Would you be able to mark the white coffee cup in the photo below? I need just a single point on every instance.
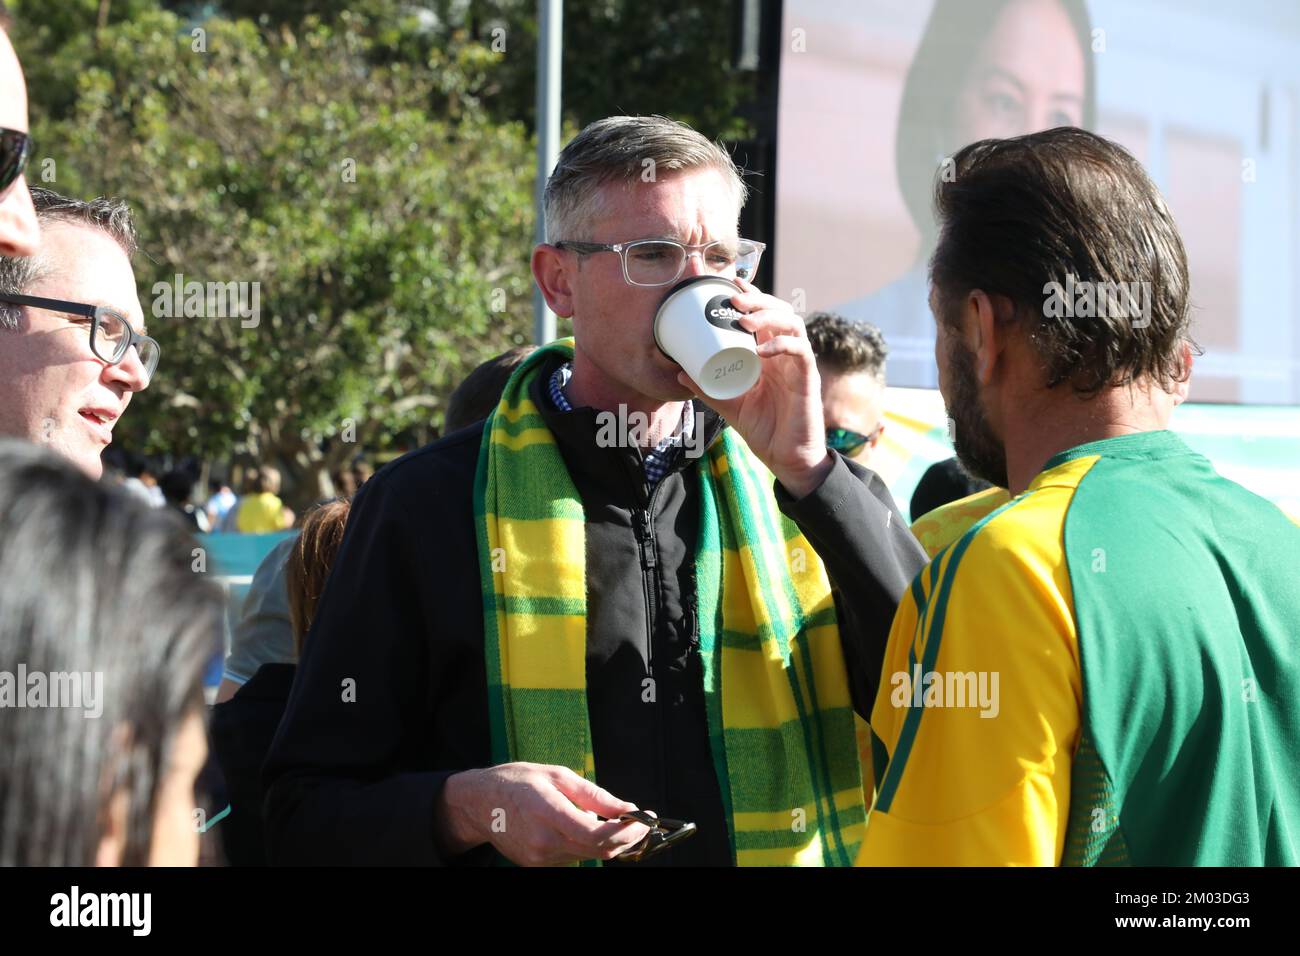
(696, 328)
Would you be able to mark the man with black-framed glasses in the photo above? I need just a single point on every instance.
(73, 344)
(18, 230)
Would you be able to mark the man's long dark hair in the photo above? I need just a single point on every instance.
(91, 582)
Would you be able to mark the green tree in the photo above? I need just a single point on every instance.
(372, 172)
(386, 216)
(671, 57)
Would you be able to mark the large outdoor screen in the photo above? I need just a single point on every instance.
(874, 94)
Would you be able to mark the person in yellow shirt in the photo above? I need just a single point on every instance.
(1094, 672)
(261, 511)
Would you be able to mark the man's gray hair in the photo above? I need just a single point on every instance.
(626, 150)
(18, 274)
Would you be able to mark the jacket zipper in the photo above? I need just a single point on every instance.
(645, 535)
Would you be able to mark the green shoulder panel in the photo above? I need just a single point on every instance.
(1186, 595)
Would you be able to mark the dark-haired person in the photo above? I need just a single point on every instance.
(947, 501)
(97, 599)
(140, 482)
(349, 479)
(176, 488)
(1104, 669)
(72, 346)
(476, 397)
(19, 232)
(983, 69)
(244, 725)
(944, 482)
(851, 363)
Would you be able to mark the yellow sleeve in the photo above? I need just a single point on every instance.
(980, 775)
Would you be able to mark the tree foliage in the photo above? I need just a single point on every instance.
(390, 239)
(671, 57)
(370, 166)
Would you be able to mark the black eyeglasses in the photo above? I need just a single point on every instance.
(111, 335)
(15, 150)
(848, 443)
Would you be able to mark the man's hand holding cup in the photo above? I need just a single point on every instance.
(780, 416)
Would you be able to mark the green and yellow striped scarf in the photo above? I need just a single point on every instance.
(780, 719)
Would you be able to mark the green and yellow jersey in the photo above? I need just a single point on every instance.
(1103, 670)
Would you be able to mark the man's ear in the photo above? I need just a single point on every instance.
(983, 335)
(552, 272)
(1184, 385)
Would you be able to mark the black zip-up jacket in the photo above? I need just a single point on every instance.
(241, 730)
(391, 693)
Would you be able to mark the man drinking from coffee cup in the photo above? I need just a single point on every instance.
(561, 628)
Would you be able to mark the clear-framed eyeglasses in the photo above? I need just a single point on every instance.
(657, 262)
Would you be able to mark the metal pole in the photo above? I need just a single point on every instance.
(549, 31)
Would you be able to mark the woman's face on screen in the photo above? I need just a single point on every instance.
(1028, 75)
